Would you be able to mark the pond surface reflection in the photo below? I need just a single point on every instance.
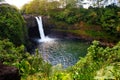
(65, 52)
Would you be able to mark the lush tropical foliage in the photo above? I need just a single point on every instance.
(100, 63)
(107, 17)
(70, 17)
(12, 25)
(26, 63)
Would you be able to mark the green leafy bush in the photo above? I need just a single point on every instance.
(26, 63)
(12, 25)
(99, 63)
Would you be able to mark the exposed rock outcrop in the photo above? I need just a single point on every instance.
(30, 20)
(9, 73)
(32, 25)
(32, 29)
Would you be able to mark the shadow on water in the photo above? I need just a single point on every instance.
(65, 52)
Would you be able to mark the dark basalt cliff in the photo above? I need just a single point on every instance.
(50, 30)
(32, 25)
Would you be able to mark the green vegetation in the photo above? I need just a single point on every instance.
(39, 7)
(12, 25)
(27, 64)
(98, 20)
(70, 18)
(100, 63)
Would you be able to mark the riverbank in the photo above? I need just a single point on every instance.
(82, 31)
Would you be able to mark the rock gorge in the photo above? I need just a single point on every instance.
(51, 31)
(32, 26)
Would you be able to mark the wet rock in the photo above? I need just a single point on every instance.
(32, 25)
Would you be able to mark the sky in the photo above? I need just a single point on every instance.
(18, 3)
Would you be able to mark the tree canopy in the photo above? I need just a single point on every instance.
(11, 24)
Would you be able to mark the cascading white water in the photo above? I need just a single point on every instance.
(41, 31)
(40, 27)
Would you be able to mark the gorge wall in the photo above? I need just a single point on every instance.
(32, 26)
(54, 30)
(49, 28)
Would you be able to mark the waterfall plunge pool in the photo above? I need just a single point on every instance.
(65, 52)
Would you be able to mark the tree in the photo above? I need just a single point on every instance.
(71, 3)
(32, 7)
(62, 3)
(36, 7)
(2, 0)
(12, 25)
(39, 7)
(53, 5)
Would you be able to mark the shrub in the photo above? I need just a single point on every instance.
(99, 63)
(26, 63)
(11, 24)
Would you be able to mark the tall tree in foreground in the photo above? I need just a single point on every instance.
(11, 25)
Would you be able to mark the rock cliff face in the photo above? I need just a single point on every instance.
(32, 25)
(32, 29)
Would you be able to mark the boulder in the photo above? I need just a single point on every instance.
(9, 72)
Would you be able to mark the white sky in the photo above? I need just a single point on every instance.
(18, 3)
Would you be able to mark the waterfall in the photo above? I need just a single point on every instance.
(40, 27)
(41, 31)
